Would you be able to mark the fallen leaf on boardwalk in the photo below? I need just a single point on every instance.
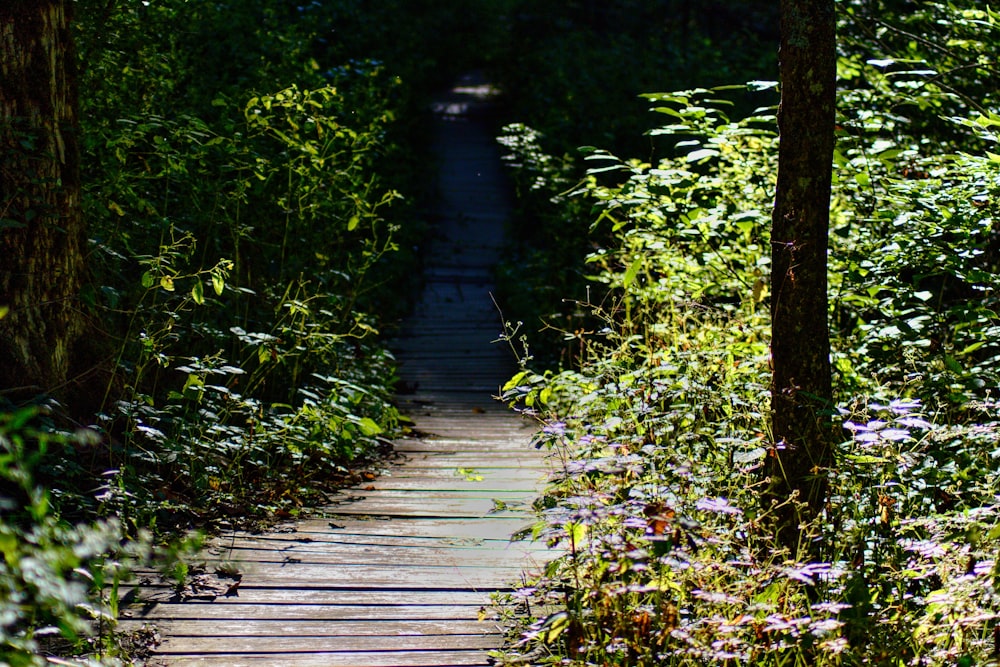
(208, 587)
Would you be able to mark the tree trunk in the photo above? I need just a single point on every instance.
(801, 393)
(41, 227)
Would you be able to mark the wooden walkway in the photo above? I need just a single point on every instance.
(400, 570)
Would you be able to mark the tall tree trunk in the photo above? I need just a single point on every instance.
(801, 392)
(41, 226)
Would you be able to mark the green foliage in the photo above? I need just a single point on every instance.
(908, 69)
(574, 70)
(244, 170)
(917, 280)
(58, 581)
(573, 77)
(914, 245)
(253, 178)
(289, 192)
(662, 430)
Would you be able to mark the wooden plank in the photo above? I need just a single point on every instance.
(284, 627)
(446, 576)
(209, 614)
(442, 658)
(509, 448)
(435, 463)
(348, 555)
(433, 504)
(256, 561)
(472, 508)
(460, 480)
(318, 643)
(342, 535)
(497, 526)
(349, 601)
(474, 491)
(348, 544)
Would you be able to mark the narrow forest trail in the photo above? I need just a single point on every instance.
(399, 569)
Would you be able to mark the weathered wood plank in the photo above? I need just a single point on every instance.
(208, 616)
(456, 481)
(429, 507)
(165, 613)
(492, 527)
(354, 644)
(343, 535)
(419, 464)
(470, 556)
(347, 600)
(473, 491)
(287, 629)
(449, 658)
(446, 576)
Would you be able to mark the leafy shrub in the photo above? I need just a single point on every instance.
(573, 77)
(58, 580)
(243, 178)
(662, 430)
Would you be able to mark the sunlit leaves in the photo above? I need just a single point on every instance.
(198, 292)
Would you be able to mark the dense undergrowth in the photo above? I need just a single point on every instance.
(254, 182)
(573, 78)
(660, 424)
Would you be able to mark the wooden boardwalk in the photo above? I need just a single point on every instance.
(400, 570)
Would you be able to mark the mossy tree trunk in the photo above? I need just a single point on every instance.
(801, 393)
(41, 227)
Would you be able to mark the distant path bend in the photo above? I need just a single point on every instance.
(401, 571)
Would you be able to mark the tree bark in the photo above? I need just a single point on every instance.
(801, 393)
(41, 226)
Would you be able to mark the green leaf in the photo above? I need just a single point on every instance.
(865, 459)
(633, 271)
(554, 626)
(198, 292)
(218, 283)
(193, 382)
(881, 63)
(953, 364)
(972, 348)
(369, 427)
(263, 354)
(702, 154)
(148, 279)
(514, 381)
(352, 224)
(3, 311)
